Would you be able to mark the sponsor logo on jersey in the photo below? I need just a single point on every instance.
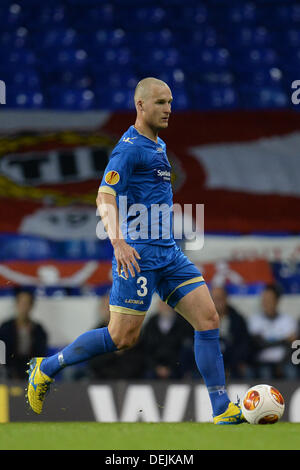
(165, 175)
(112, 177)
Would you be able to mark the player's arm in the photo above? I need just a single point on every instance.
(126, 256)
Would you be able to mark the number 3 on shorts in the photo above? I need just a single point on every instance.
(142, 282)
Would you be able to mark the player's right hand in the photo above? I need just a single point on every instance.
(126, 257)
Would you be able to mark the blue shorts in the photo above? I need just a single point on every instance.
(165, 270)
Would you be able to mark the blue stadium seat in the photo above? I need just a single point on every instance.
(33, 4)
(56, 38)
(175, 78)
(129, 4)
(165, 57)
(207, 59)
(215, 97)
(72, 99)
(47, 16)
(193, 16)
(157, 60)
(93, 18)
(245, 13)
(14, 39)
(65, 59)
(122, 76)
(270, 97)
(19, 57)
(222, 78)
(249, 37)
(11, 16)
(23, 78)
(162, 38)
(206, 36)
(95, 51)
(181, 100)
(143, 17)
(178, 3)
(18, 98)
(291, 66)
(291, 38)
(254, 58)
(112, 58)
(86, 3)
(115, 99)
(73, 78)
(109, 38)
(53, 65)
(287, 13)
(124, 79)
(262, 77)
(72, 57)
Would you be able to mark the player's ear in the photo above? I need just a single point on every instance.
(140, 105)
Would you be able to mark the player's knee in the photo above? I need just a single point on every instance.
(211, 320)
(214, 319)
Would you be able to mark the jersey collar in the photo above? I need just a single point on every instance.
(142, 135)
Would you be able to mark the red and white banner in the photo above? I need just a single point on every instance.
(55, 273)
(93, 273)
(242, 165)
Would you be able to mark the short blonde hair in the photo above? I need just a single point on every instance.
(143, 87)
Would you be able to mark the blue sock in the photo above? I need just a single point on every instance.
(89, 344)
(209, 361)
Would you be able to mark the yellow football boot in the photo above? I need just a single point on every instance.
(233, 415)
(38, 385)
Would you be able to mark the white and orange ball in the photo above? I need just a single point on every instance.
(262, 404)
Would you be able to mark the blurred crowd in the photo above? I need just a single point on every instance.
(256, 346)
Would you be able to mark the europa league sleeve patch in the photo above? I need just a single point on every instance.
(112, 177)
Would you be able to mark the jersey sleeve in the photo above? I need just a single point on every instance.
(119, 169)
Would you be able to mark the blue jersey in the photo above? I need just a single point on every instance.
(139, 175)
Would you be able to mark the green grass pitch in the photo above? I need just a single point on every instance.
(148, 436)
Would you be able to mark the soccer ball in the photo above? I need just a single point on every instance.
(262, 404)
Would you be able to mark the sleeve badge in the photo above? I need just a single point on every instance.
(112, 177)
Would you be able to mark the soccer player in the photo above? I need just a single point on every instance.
(135, 184)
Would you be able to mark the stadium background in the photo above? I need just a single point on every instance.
(70, 68)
